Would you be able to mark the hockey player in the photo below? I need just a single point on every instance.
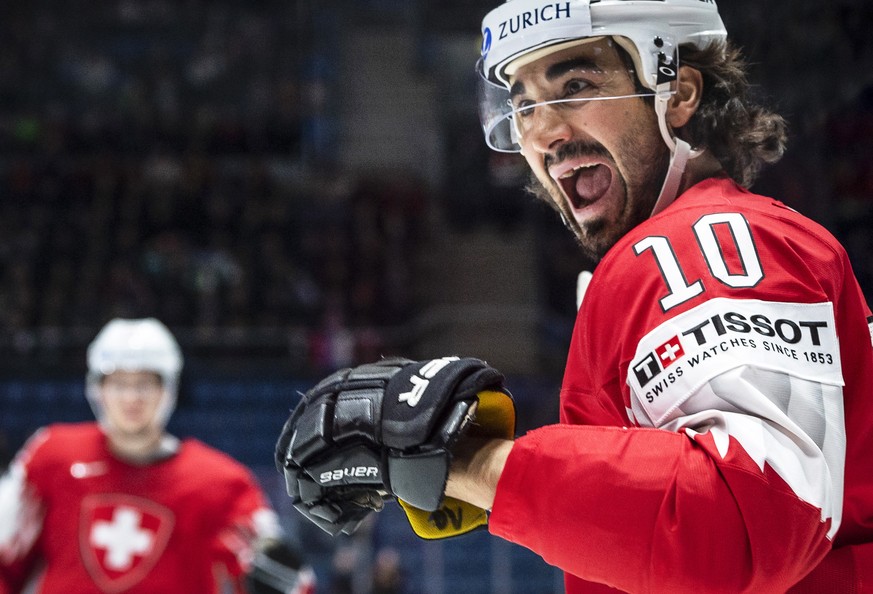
(122, 506)
(716, 420)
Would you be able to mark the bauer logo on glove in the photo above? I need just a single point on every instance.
(342, 473)
(385, 430)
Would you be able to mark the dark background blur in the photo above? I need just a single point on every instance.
(297, 186)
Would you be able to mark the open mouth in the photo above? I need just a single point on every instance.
(585, 184)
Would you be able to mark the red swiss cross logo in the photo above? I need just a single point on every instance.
(669, 352)
(121, 538)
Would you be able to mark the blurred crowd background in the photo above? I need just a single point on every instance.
(296, 186)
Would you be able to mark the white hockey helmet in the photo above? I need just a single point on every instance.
(528, 29)
(135, 345)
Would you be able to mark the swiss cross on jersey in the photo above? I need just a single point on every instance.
(669, 352)
(121, 538)
(659, 359)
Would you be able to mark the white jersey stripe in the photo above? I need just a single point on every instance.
(804, 444)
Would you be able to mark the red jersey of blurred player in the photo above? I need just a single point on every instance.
(119, 505)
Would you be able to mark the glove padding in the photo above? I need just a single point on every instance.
(384, 430)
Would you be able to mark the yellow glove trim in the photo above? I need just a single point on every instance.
(495, 415)
(453, 518)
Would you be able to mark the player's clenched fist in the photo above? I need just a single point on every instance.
(386, 430)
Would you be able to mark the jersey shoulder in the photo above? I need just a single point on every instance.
(61, 442)
(53, 450)
(210, 462)
(718, 228)
(717, 241)
(707, 204)
(221, 481)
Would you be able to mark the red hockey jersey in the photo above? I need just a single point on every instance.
(96, 524)
(716, 420)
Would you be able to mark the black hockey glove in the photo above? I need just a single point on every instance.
(384, 430)
(278, 568)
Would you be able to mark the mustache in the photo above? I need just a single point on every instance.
(578, 148)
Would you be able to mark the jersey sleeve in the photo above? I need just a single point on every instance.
(703, 441)
(21, 516)
(652, 510)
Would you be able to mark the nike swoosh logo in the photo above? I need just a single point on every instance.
(85, 469)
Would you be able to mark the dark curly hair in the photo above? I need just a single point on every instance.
(741, 135)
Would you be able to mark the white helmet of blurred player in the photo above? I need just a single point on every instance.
(135, 345)
(519, 32)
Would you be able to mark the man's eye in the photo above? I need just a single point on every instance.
(524, 108)
(576, 86)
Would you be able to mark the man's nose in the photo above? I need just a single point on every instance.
(547, 128)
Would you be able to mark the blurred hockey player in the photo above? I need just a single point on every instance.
(120, 505)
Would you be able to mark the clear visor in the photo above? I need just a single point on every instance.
(506, 116)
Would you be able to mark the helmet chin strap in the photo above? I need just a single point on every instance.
(680, 153)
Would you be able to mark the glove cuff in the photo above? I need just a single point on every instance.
(420, 477)
(453, 518)
(494, 418)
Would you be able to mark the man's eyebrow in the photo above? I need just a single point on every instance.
(558, 70)
(561, 68)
